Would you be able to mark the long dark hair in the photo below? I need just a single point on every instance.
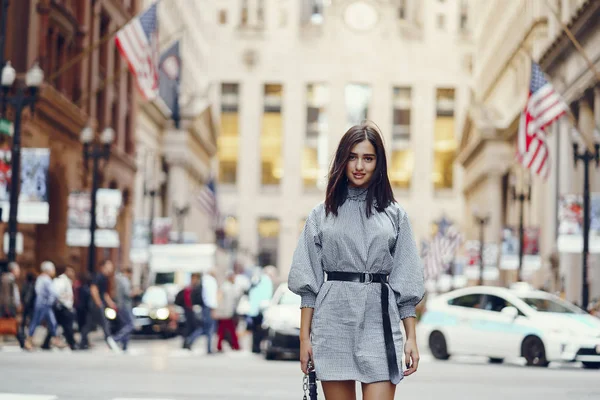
(379, 190)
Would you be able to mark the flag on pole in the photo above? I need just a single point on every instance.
(207, 201)
(544, 106)
(138, 44)
(439, 253)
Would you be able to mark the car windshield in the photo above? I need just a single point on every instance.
(289, 298)
(155, 297)
(544, 304)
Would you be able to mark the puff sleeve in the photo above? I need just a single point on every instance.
(306, 273)
(406, 278)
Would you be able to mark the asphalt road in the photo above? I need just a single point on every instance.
(157, 369)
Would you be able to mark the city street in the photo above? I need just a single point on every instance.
(159, 370)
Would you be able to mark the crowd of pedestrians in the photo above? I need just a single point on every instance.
(70, 306)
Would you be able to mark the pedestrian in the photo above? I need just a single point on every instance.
(63, 307)
(259, 295)
(45, 297)
(81, 290)
(187, 298)
(100, 300)
(124, 298)
(27, 303)
(225, 313)
(207, 292)
(10, 302)
(361, 240)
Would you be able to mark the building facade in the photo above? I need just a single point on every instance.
(93, 91)
(508, 36)
(174, 163)
(293, 76)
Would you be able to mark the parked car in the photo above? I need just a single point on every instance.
(156, 314)
(504, 323)
(281, 321)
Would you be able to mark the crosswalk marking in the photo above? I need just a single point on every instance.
(15, 396)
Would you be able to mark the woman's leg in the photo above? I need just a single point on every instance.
(339, 390)
(378, 391)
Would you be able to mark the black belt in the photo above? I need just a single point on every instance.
(367, 277)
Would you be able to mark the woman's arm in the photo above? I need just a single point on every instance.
(306, 314)
(411, 352)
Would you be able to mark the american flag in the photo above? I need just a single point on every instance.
(207, 200)
(138, 43)
(439, 253)
(544, 106)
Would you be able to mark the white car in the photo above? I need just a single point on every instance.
(281, 322)
(504, 323)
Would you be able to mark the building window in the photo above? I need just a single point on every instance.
(260, 12)
(271, 138)
(228, 141)
(357, 97)
(268, 241)
(402, 161)
(444, 145)
(315, 156)
(222, 17)
(402, 12)
(244, 12)
(464, 16)
(441, 21)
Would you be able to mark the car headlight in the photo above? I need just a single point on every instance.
(110, 314)
(162, 313)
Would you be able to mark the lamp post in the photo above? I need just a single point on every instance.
(180, 213)
(482, 222)
(586, 157)
(24, 96)
(521, 196)
(95, 151)
(152, 192)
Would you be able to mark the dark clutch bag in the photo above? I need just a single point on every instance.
(310, 383)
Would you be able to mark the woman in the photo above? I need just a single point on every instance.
(361, 240)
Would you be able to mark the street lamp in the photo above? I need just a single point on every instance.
(95, 151)
(24, 96)
(586, 157)
(153, 192)
(482, 222)
(180, 213)
(521, 196)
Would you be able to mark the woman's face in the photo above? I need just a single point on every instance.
(361, 164)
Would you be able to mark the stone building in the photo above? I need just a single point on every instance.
(294, 75)
(508, 36)
(93, 91)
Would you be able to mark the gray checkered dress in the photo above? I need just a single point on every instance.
(347, 328)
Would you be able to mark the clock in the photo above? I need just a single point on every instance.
(361, 15)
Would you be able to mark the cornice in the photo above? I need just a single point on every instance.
(61, 111)
(586, 20)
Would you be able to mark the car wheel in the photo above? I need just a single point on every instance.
(270, 355)
(437, 345)
(591, 365)
(534, 352)
(494, 360)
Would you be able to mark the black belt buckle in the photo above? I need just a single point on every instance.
(369, 276)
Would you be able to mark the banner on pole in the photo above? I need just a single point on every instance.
(108, 206)
(570, 223)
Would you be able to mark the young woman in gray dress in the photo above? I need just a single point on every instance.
(358, 272)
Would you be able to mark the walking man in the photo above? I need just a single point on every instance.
(45, 297)
(225, 313)
(125, 307)
(63, 307)
(99, 300)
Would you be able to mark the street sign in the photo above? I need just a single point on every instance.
(6, 127)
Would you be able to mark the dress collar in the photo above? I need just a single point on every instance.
(358, 194)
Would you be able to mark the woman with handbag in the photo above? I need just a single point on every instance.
(358, 272)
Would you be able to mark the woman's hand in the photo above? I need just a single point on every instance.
(411, 352)
(306, 353)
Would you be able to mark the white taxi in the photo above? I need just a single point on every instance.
(501, 323)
